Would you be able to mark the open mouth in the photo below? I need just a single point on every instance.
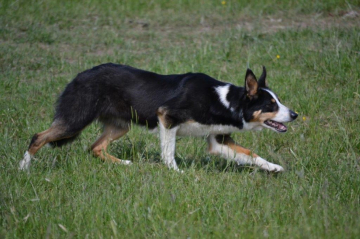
(276, 125)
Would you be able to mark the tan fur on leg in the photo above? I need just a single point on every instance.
(110, 134)
(227, 140)
(54, 133)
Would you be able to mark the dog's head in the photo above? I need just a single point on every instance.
(263, 108)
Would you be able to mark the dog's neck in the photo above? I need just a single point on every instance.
(236, 97)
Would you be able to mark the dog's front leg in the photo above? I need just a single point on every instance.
(225, 146)
(168, 141)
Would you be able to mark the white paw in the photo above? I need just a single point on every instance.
(25, 162)
(179, 170)
(172, 165)
(271, 167)
(126, 162)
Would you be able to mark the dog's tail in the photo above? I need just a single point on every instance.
(77, 107)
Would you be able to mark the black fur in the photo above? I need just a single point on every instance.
(61, 142)
(33, 140)
(115, 94)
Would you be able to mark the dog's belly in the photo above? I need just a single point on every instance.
(196, 129)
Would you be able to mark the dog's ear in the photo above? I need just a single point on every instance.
(262, 80)
(251, 84)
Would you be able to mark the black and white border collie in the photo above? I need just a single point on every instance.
(192, 104)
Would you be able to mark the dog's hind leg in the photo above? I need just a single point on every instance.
(225, 146)
(110, 134)
(57, 131)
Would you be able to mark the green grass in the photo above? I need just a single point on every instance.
(68, 193)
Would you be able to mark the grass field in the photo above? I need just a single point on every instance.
(312, 53)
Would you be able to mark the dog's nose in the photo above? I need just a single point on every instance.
(293, 115)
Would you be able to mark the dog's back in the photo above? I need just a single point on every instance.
(112, 92)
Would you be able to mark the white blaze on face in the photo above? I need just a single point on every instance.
(283, 115)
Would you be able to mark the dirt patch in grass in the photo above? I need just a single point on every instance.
(267, 24)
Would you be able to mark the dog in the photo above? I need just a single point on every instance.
(193, 104)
